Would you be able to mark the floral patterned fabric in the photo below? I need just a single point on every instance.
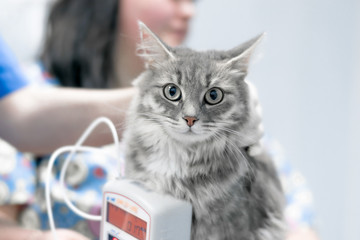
(299, 212)
(86, 175)
(17, 176)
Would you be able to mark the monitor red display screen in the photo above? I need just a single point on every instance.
(126, 221)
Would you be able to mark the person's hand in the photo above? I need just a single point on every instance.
(62, 234)
(253, 130)
(302, 234)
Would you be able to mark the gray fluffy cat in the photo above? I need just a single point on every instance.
(191, 133)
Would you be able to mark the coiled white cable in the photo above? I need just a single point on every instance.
(73, 149)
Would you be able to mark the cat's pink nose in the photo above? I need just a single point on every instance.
(190, 120)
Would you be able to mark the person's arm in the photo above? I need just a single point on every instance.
(303, 234)
(41, 120)
(11, 231)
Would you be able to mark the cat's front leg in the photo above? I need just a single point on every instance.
(216, 228)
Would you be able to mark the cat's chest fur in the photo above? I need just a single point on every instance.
(164, 158)
(215, 178)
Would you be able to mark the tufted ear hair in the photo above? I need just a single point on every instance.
(151, 48)
(240, 56)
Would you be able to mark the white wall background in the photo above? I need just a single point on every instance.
(22, 26)
(308, 82)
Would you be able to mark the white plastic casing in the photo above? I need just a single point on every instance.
(142, 214)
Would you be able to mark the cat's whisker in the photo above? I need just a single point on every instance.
(157, 118)
(239, 134)
(233, 151)
(154, 115)
(238, 150)
(219, 138)
(114, 108)
(120, 128)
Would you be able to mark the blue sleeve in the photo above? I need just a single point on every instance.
(11, 76)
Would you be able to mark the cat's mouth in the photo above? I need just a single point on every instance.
(190, 131)
(188, 136)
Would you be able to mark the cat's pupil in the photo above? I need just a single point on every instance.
(172, 91)
(213, 94)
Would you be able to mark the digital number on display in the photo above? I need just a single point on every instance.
(110, 237)
(126, 221)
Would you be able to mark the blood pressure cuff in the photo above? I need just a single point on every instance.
(11, 76)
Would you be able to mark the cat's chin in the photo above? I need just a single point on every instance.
(189, 137)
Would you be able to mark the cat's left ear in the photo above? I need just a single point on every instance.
(240, 56)
(151, 48)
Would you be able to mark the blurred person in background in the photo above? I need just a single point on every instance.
(91, 44)
(98, 50)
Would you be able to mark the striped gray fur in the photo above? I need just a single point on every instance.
(234, 194)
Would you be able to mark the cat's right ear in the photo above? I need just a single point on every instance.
(240, 56)
(151, 48)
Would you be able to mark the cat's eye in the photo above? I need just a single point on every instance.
(214, 96)
(172, 92)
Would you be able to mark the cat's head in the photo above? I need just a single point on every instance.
(194, 96)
